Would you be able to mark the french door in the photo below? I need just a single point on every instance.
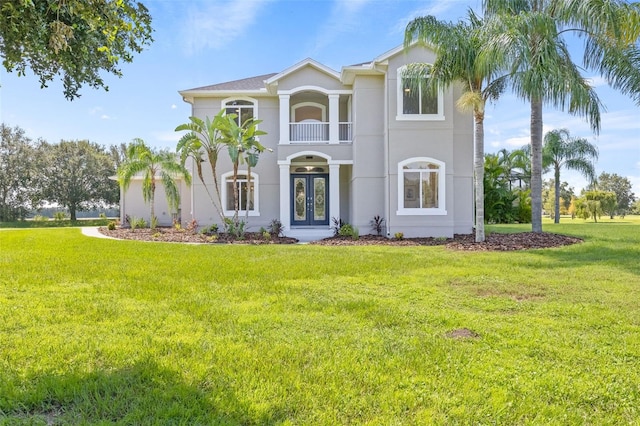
(309, 199)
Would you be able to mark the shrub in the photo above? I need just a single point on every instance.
(59, 216)
(337, 225)
(235, 229)
(377, 224)
(111, 226)
(154, 222)
(266, 235)
(276, 228)
(137, 222)
(40, 218)
(348, 230)
(103, 215)
(210, 230)
(399, 235)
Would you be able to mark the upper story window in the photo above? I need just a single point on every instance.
(421, 187)
(242, 190)
(243, 108)
(416, 101)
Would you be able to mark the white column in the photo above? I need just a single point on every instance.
(334, 118)
(285, 212)
(284, 119)
(334, 190)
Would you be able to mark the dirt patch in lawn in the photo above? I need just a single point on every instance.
(493, 242)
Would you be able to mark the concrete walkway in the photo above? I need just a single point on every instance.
(92, 231)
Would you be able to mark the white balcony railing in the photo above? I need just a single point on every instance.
(345, 132)
(309, 132)
(317, 132)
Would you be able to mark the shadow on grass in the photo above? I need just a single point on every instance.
(613, 253)
(142, 394)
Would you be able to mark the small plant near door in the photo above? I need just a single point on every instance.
(276, 228)
(377, 224)
(337, 224)
(348, 230)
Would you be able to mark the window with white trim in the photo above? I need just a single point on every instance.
(244, 109)
(417, 102)
(421, 187)
(242, 189)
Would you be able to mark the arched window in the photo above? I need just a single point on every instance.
(242, 189)
(244, 108)
(416, 102)
(421, 187)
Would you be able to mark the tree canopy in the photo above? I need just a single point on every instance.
(73, 39)
(76, 176)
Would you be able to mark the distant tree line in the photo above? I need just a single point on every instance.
(74, 175)
(507, 180)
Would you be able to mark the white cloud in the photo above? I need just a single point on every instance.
(435, 8)
(597, 81)
(174, 106)
(105, 117)
(212, 25)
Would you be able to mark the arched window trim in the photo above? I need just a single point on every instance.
(401, 116)
(440, 210)
(224, 102)
(224, 193)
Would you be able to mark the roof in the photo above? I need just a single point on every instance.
(250, 83)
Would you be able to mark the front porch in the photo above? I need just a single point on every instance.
(310, 194)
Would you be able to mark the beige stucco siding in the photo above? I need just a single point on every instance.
(309, 76)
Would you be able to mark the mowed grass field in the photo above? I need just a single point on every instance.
(97, 331)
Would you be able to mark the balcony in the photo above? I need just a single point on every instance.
(309, 131)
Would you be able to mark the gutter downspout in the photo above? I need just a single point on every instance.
(387, 180)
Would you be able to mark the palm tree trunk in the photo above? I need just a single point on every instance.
(236, 198)
(152, 201)
(246, 207)
(556, 219)
(536, 165)
(478, 164)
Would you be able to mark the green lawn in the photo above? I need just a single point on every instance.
(99, 331)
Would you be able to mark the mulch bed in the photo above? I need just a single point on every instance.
(493, 242)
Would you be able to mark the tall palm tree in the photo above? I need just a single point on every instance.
(204, 137)
(532, 47)
(458, 48)
(561, 150)
(153, 165)
(244, 148)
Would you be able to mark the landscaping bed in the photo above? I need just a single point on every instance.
(493, 242)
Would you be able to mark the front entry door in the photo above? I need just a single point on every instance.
(309, 199)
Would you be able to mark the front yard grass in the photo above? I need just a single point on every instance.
(99, 331)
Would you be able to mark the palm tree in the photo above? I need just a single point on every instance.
(204, 137)
(152, 164)
(244, 148)
(532, 47)
(562, 150)
(458, 48)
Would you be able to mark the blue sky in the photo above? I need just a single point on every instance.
(198, 43)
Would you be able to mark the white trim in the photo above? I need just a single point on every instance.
(401, 116)
(223, 103)
(439, 211)
(311, 88)
(255, 179)
(305, 62)
(322, 108)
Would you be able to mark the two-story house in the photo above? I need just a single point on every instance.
(350, 145)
